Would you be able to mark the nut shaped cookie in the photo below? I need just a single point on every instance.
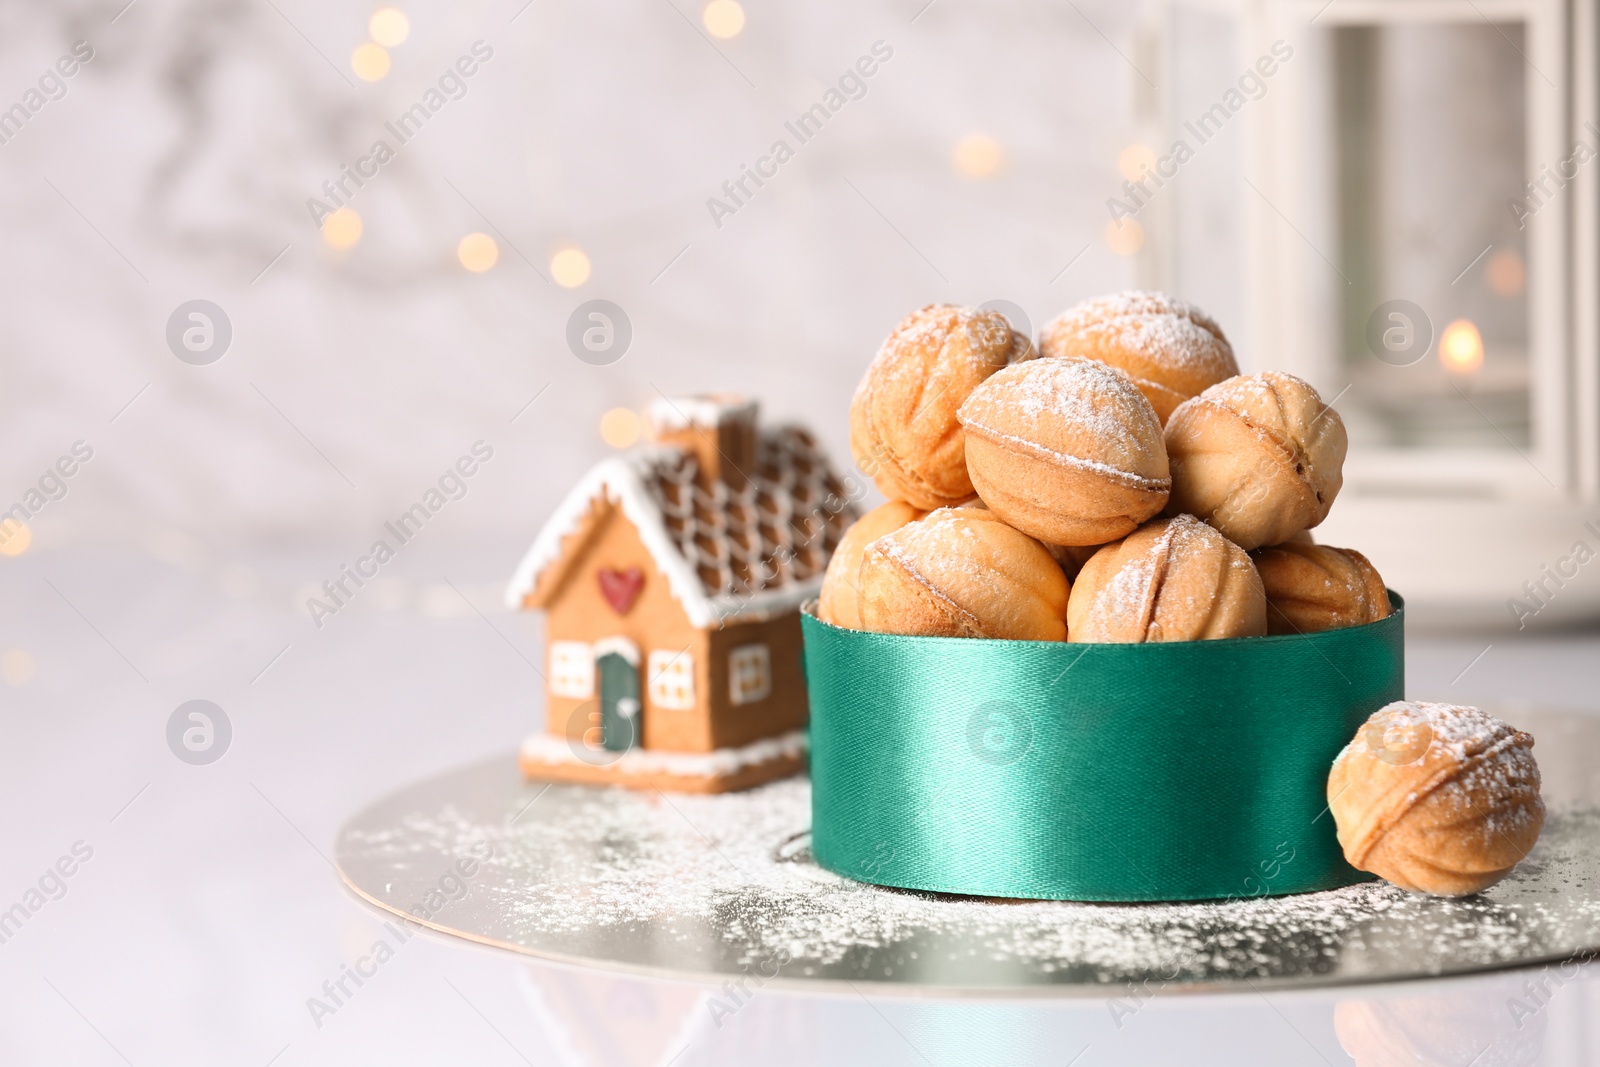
(1066, 450)
(1174, 579)
(1260, 457)
(903, 429)
(1319, 587)
(1172, 350)
(1436, 798)
(962, 572)
(837, 602)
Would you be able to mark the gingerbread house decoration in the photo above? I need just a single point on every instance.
(671, 579)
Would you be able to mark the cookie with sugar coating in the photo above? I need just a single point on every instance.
(1260, 457)
(1132, 302)
(903, 428)
(1171, 349)
(1436, 798)
(1174, 579)
(1066, 450)
(1318, 587)
(837, 602)
(962, 572)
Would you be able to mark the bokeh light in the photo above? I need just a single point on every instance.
(389, 26)
(977, 155)
(1124, 236)
(370, 62)
(570, 267)
(723, 18)
(1461, 347)
(1134, 160)
(477, 252)
(17, 666)
(15, 537)
(620, 427)
(1505, 272)
(342, 229)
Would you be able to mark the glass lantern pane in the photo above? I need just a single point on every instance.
(1430, 131)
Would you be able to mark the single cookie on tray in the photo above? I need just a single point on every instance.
(1436, 798)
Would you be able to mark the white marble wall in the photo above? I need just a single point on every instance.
(178, 164)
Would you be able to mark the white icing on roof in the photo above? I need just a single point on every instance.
(727, 555)
(706, 411)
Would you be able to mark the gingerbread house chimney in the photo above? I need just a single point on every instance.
(718, 428)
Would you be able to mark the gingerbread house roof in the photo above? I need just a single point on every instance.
(728, 554)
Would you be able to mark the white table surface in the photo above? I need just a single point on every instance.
(209, 913)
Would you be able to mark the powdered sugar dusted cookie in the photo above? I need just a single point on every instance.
(1174, 580)
(837, 604)
(903, 428)
(1319, 587)
(1172, 350)
(962, 572)
(1260, 457)
(1066, 450)
(1436, 797)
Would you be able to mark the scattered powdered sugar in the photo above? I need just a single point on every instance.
(716, 884)
(551, 749)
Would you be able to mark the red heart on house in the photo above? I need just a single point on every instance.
(621, 588)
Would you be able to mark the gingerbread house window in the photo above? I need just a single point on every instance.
(749, 673)
(671, 679)
(571, 669)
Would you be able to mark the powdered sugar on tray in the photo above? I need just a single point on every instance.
(720, 883)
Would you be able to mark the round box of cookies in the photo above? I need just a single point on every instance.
(1089, 649)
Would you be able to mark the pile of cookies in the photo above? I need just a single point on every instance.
(1124, 483)
(1121, 482)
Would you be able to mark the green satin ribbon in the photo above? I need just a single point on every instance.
(1182, 771)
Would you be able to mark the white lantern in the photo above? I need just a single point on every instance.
(1396, 200)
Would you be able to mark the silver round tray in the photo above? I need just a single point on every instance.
(709, 887)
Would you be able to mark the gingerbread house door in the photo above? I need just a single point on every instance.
(619, 698)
